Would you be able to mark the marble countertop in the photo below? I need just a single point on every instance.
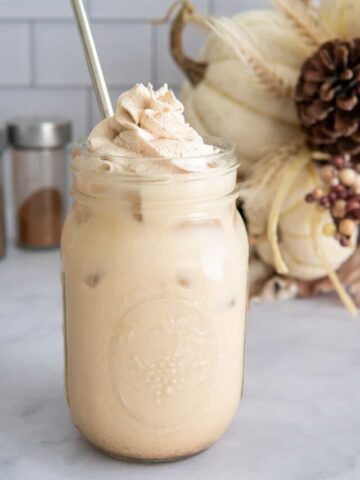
(299, 418)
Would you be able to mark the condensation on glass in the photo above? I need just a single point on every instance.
(155, 285)
(39, 179)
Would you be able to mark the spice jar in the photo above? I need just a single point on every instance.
(3, 141)
(39, 174)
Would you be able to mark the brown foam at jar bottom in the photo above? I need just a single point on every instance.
(182, 456)
(40, 219)
(175, 456)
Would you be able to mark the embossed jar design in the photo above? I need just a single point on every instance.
(155, 276)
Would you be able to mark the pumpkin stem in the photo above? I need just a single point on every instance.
(194, 70)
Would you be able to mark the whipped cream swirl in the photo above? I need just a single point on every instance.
(150, 125)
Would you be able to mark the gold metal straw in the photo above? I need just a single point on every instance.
(92, 59)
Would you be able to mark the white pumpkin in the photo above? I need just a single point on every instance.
(228, 102)
(237, 92)
(340, 18)
(296, 232)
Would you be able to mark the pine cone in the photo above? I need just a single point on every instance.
(328, 98)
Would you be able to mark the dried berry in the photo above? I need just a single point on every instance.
(324, 202)
(347, 227)
(318, 193)
(310, 198)
(338, 162)
(339, 209)
(352, 205)
(327, 173)
(333, 196)
(356, 215)
(329, 229)
(344, 242)
(339, 194)
(347, 176)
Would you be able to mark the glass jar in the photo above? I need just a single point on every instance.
(155, 288)
(3, 142)
(39, 178)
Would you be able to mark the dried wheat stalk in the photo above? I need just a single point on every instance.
(240, 42)
(302, 19)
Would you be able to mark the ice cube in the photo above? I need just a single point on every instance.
(92, 280)
(81, 213)
(199, 223)
(183, 281)
(134, 198)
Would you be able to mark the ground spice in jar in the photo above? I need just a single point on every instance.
(40, 219)
(39, 160)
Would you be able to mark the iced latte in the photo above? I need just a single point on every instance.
(155, 274)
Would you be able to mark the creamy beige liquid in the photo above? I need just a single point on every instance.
(155, 273)
(155, 318)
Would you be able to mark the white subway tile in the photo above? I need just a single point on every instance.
(35, 9)
(14, 54)
(166, 69)
(68, 103)
(232, 7)
(58, 55)
(134, 9)
(124, 50)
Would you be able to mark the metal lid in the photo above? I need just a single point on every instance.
(39, 132)
(3, 137)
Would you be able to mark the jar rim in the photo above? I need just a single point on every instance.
(225, 157)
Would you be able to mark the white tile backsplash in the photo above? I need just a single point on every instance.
(67, 103)
(59, 59)
(36, 9)
(232, 7)
(135, 9)
(15, 54)
(125, 51)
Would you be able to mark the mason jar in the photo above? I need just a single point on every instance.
(155, 293)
